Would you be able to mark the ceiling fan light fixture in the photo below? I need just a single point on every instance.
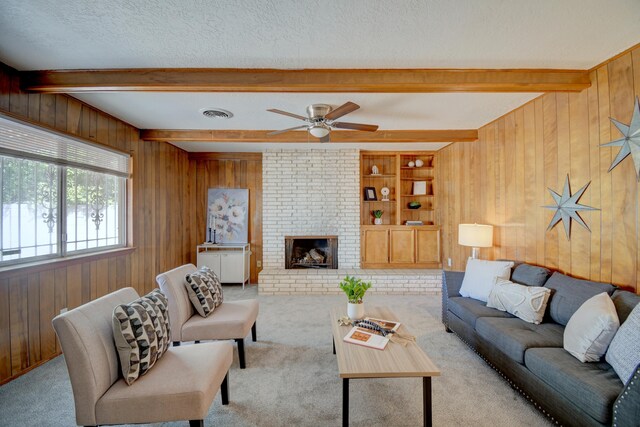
(319, 131)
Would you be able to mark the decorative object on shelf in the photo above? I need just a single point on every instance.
(475, 235)
(409, 222)
(419, 163)
(375, 170)
(355, 290)
(420, 188)
(385, 194)
(411, 164)
(377, 216)
(227, 215)
(567, 207)
(630, 143)
(370, 194)
(414, 205)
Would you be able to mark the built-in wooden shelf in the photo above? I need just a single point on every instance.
(417, 195)
(417, 179)
(378, 201)
(378, 176)
(415, 168)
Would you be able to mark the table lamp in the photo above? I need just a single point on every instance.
(475, 235)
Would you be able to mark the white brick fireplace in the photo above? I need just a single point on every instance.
(311, 192)
(316, 192)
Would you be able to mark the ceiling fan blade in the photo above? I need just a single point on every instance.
(342, 110)
(325, 138)
(355, 126)
(275, 110)
(277, 132)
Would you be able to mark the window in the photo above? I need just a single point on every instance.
(58, 196)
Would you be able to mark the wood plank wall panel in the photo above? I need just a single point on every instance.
(160, 231)
(229, 170)
(502, 180)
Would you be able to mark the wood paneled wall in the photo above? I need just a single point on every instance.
(160, 232)
(229, 170)
(502, 179)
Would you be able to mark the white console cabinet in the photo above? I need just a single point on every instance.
(231, 263)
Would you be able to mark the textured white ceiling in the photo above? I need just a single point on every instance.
(44, 34)
(387, 110)
(289, 34)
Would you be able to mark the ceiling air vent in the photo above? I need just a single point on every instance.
(216, 113)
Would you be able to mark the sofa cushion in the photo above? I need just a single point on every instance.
(181, 387)
(625, 302)
(592, 387)
(530, 275)
(480, 275)
(624, 351)
(514, 336)
(591, 329)
(470, 310)
(231, 320)
(141, 332)
(568, 294)
(526, 302)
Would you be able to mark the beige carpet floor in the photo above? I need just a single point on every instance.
(291, 377)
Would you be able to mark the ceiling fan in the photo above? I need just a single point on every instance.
(322, 118)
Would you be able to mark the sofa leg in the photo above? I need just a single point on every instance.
(196, 423)
(176, 343)
(240, 342)
(224, 390)
(254, 333)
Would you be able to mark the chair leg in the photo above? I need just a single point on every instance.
(196, 423)
(224, 390)
(240, 342)
(197, 341)
(176, 343)
(254, 333)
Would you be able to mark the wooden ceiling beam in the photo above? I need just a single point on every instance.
(307, 80)
(387, 136)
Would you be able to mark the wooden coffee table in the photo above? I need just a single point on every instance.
(395, 361)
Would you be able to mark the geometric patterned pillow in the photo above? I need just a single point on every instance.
(205, 292)
(142, 333)
(216, 285)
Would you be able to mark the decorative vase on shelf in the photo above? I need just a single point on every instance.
(355, 311)
(377, 221)
(419, 163)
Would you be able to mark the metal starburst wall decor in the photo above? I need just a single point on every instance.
(567, 207)
(630, 141)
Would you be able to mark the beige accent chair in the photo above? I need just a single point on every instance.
(229, 321)
(180, 386)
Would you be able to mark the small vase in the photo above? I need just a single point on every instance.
(377, 221)
(355, 311)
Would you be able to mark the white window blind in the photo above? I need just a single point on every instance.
(24, 141)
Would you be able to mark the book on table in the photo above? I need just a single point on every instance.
(369, 337)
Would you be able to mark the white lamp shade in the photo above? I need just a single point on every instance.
(319, 131)
(475, 235)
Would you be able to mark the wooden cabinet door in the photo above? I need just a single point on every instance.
(375, 246)
(402, 246)
(428, 246)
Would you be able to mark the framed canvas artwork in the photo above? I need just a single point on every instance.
(228, 214)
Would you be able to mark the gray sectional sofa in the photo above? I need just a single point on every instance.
(531, 357)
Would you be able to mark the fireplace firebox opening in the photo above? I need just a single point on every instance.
(311, 252)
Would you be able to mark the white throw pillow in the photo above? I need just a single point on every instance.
(480, 276)
(526, 302)
(591, 328)
(624, 352)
